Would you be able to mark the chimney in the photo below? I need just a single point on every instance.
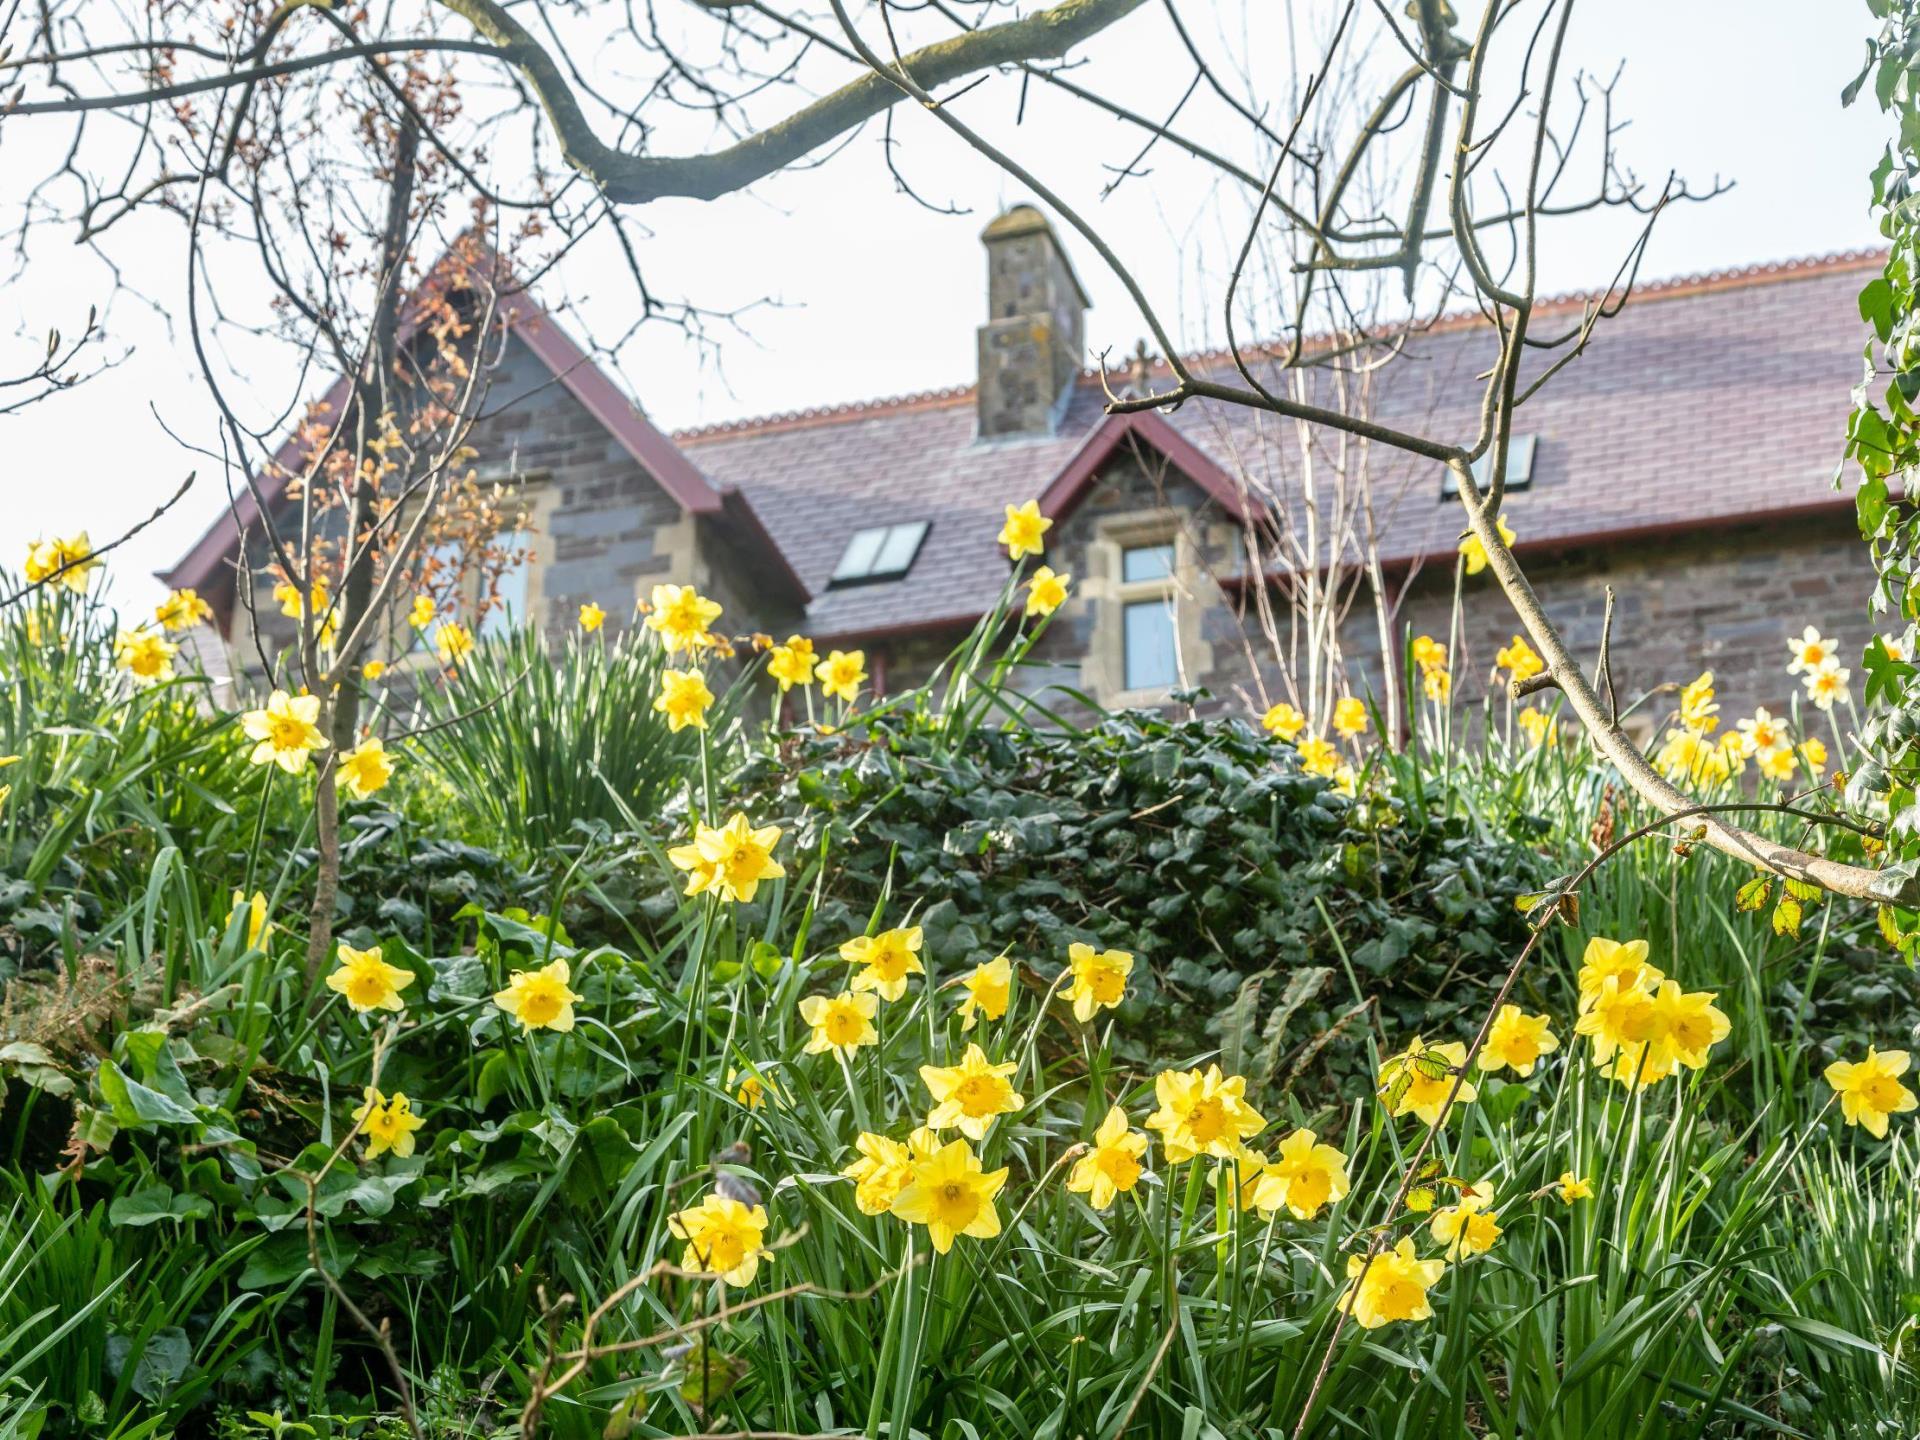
(1035, 335)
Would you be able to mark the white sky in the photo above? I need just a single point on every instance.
(877, 296)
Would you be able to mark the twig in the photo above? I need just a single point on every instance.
(93, 555)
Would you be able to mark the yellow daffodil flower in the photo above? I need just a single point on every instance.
(1429, 653)
(842, 674)
(681, 616)
(1393, 1287)
(989, 990)
(1517, 1040)
(1319, 757)
(684, 699)
(1539, 729)
(1349, 718)
(286, 731)
(182, 610)
(792, 663)
(1047, 591)
(886, 960)
(725, 1238)
(1811, 651)
(1023, 531)
(1828, 686)
(1762, 735)
(970, 1095)
(45, 557)
(366, 769)
(840, 1023)
(1099, 979)
(452, 642)
(421, 614)
(388, 1124)
(256, 908)
(729, 862)
(1474, 553)
(1519, 660)
(1202, 1113)
(373, 670)
(1424, 1076)
(1570, 1187)
(1111, 1167)
(883, 1170)
(1305, 1176)
(592, 617)
(1469, 1227)
(540, 999)
(368, 982)
(1697, 705)
(147, 655)
(1870, 1090)
(950, 1195)
(1283, 720)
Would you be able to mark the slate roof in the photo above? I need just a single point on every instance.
(1709, 401)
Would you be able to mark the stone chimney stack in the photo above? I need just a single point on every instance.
(1032, 344)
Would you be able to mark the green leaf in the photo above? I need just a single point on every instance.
(1754, 894)
(1786, 917)
(154, 1203)
(134, 1105)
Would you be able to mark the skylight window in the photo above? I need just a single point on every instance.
(1519, 468)
(882, 552)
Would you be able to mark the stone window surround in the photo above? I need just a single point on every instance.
(1103, 669)
(533, 499)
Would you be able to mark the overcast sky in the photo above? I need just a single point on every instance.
(857, 291)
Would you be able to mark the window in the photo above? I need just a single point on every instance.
(1519, 468)
(1149, 650)
(510, 597)
(882, 552)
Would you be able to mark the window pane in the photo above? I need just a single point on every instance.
(856, 563)
(1150, 650)
(897, 549)
(1147, 562)
(509, 606)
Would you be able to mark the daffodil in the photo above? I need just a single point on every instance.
(684, 699)
(1202, 1113)
(1023, 532)
(182, 610)
(422, 612)
(147, 655)
(989, 988)
(1469, 1227)
(1436, 685)
(1892, 646)
(1811, 651)
(373, 670)
(842, 674)
(1640, 1065)
(1688, 1024)
(1283, 720)
(592, 617)
(1111, 1167)
(725, 1238)
(286, 730)
(1305, 1176)
(1780, 765)
(1827, 685)
(840, 1023)
(881, 1172)
(1517, 1040)
(1429, 653)
(1099, 979)
(970, 1095)
(1688, 755)
(388, 1124)
(319, 605)
(1474, 552)
(1518, 659)
(256, 908)
(46, 557)
(681, 616)
(951, 1196)
(792, 663)
(367, 981)
(1620, 1016)
(1318, 757)
(1539, 729)
(729, 862)
(1047, 591)
(1762, 735)
(1870, 1090)
(1571, 1187)
(748, 1089)
(1349, 717)
(540, 999)
(452, 642)
(1814, 752)
(366, 769)
(1697, 705)
(885, 960)
(1420, 1079)
(1392, 1286)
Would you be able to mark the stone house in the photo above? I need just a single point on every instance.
(1686, 459)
